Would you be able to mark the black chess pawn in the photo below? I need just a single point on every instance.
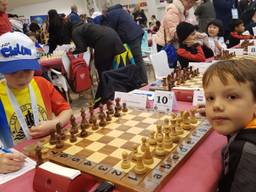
(102, 122)
(52, 140)
(73, 124)
(124, 109)
(110, 107)
(108, 118)
(95, 125)
(38, 155)
(59, 143)
(117, 113)
(72, 138)
(118, 105)
(83, 132)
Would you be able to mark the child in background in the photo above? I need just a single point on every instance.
(191, 45)
(236, 34)
(216, 40)
(27, 103)
(230, 92)
(39, 49)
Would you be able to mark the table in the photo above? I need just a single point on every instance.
(199, 173)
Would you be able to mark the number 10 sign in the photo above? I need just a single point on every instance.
(163, 101)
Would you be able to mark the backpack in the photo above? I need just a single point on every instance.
(79, 73)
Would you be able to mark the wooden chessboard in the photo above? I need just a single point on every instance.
(192, 84)
(100, 153)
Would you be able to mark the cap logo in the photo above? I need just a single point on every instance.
(13, 51)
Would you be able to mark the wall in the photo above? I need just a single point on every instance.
(62, 6)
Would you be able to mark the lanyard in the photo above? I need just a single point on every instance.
(18, 111)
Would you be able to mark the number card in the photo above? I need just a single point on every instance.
(132, 100)
(198, 97)
(164, 101)
(251, 50)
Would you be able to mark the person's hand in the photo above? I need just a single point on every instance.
(10, 162)
(190, 43)
(217, 44)
(201, 109)
(43, 129)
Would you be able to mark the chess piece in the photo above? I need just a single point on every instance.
(117, 113)
(152, 140)
(60, 131)
(174, 136)
(159, 133)
(110, 107)
(101, 113)
(59, 143)
(186, 121)
(73, 124)
(83, 132)
(118, 105)
(95, 125)
(143, 144)
(102, 122)
(139, 168)
(84, 121)
(159, 147)
(72, 138)
(167, 139)
(124, 109)
(193, 118)
(134, 152)
(126, 164)
(38, 155)
(179, 128)
(164, 82)
(147, 157)
(52, 140)
(92, 116)
(108, 118)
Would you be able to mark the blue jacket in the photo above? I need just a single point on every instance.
(123, 24)
(74, 17)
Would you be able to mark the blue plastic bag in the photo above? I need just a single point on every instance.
(171, 55)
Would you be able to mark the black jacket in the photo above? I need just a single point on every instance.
(239, 163)
(120, 20)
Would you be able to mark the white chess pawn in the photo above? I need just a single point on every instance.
(126, 164)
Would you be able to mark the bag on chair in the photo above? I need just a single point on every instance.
(79, 73)
(171, 52)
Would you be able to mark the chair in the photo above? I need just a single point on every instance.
(60, 81)
(160, 64)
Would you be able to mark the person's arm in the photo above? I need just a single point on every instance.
(79, 42)
(10, 162)
(45, 127)
(58, 106)
(198, 11)
(199, 56)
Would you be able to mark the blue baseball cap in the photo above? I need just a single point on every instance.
(17, 53)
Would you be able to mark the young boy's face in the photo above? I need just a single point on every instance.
(190, 40)
(229, 107)
(240, 28)
(20, 79)
(213, 30)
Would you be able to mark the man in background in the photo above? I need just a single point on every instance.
(5, 25)
(73, 17)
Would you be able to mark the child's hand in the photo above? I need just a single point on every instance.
(10, 162)
(43, 129)
(217, 44)
(190, 43)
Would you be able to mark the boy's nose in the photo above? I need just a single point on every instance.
(218, 105)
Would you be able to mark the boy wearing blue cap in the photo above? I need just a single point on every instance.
(27, 103)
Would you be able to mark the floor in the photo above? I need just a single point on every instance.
(85, 98)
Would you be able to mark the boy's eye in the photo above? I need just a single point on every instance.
(231, 97)
(209, 98)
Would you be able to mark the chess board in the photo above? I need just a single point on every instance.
(100, 153)
(192, 84)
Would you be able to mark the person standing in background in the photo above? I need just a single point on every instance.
(73, 17)
(205, 13)
(139, 16)
(223, 9)
(174, 14)
(5, 25)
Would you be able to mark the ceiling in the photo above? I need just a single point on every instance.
(12, 4)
